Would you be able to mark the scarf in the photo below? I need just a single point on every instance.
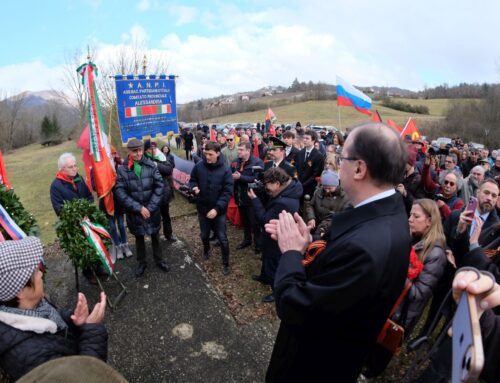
(416, 265)
(136, 165)
(64, 177)
(43, 310)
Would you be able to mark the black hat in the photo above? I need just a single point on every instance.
(276, 143)
(134, 143)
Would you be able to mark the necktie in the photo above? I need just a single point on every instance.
(307, 155)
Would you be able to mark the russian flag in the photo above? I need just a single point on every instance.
(347, 95)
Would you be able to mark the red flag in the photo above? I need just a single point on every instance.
(102, 171)
(104, 180)
(213, 136)
(270, 115)
(376, 116)
(84, 143)
(3, 173)
(411, 130)
(394, 126)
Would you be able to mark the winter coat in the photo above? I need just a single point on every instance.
(215, 183)
(247, 176)
(469, 188)
(423, 286)
(61, 191)
(309, 170)
(165, 168)
(23, 350)
(321, 207)
(288, 200)
(134, 193)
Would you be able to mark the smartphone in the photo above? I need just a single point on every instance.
(468, 356)
(472, 205)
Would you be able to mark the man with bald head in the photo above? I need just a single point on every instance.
(471, 183)
(333, 302)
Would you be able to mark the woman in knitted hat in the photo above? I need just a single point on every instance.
(327, 199)
(32, 331)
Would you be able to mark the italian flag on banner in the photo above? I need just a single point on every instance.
(92, 233)
(148, 110)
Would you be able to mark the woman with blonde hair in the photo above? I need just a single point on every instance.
(331, 162)
(428, 266)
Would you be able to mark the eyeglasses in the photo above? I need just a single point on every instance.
(341, 158)
(451, 183)
(448, 161)
(229, 139)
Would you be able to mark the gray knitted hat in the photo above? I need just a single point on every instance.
(329, 178)
(18, 261)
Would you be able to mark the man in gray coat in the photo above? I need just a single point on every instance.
(139, 189)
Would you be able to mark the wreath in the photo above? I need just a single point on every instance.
(11, 203)
(71, 236)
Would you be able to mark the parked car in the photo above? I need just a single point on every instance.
(475, 145)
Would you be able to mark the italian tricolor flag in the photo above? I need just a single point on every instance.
(148, 110)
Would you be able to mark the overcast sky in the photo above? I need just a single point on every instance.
(223, 47)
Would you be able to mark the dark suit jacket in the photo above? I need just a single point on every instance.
(309, 170)
(332, 311)
(292, 156)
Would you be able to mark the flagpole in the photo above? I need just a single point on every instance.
(340, 124)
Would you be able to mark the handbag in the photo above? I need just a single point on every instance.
(392, 334)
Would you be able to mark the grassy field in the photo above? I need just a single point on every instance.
(327, 113)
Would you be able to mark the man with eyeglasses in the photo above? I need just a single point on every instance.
(333, 298)
(68, 184)
(230, 152)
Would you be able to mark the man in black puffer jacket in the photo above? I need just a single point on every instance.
(212, 183)
(32, 331)
(139, 189)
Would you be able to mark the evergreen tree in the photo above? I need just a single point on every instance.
(46, 129)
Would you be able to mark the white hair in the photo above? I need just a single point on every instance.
(61, 162)
(478, 168)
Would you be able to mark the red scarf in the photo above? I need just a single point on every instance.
(64, 177)
(416, 265)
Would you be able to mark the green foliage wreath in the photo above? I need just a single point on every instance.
(10, 201)
(71, 236)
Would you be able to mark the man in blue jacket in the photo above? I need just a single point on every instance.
(68, 184)
(212, 183)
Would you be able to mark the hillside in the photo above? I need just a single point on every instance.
(327, 113)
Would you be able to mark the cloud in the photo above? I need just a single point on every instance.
(143, 5)
(137, 35)
(33, 76)
(184, 14)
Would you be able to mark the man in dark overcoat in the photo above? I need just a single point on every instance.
(139, 189)
(333, 309)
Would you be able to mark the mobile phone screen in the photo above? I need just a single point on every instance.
(468, 357)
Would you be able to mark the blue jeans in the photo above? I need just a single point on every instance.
(113, 221)
(218, 226)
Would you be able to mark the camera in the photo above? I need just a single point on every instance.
(257, 185)
(439, 197)
(188, 193)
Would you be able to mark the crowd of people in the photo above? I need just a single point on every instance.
(342, 225)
